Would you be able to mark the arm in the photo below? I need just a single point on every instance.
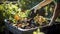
(42, 4)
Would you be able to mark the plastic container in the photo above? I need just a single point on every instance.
(17, 30)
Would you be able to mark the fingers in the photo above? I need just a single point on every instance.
(35, 10)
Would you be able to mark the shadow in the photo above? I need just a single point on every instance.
(54, 29)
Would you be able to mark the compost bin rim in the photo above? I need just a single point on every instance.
(20, 28)
(27, 29)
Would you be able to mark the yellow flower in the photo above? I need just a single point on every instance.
(16, 17)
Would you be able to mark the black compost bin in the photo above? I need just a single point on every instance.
(54, 29)
(17, 30)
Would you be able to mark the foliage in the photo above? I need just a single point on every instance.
(12, 10)
(7, 12)
(27, 4)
